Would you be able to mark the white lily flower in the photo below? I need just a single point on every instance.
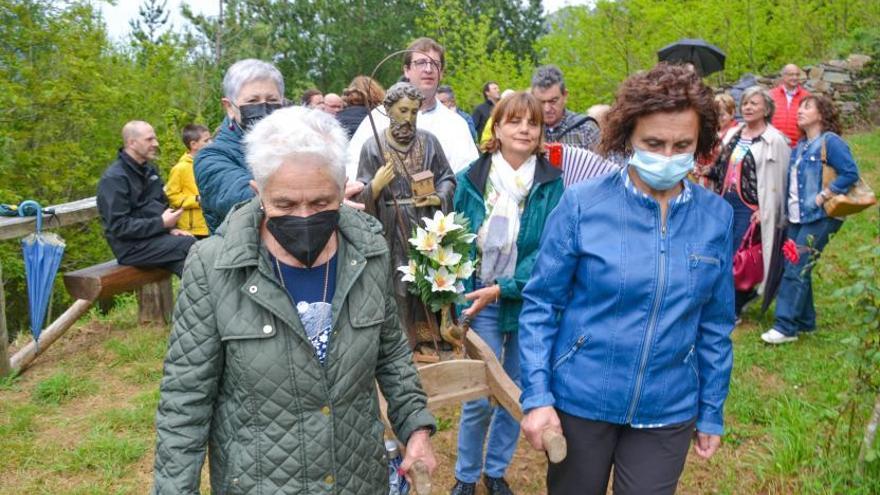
(441, 224)
(464, 270)
(441, 280)
(446, 256)
(425, 241)
(409, 272)
(459, 287)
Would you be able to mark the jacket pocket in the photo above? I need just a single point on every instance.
(572, 349)
(704, 268)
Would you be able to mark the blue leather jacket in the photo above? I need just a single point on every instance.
(809, 173)
(627, 321)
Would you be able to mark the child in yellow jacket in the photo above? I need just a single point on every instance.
(181, 189)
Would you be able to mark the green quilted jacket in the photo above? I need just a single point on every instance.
(242, 380)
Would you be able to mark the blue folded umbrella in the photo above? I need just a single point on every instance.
(42, 258)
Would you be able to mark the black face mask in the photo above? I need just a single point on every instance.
(304, 237)
(255, 112)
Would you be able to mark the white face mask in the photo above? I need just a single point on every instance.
(661, 172)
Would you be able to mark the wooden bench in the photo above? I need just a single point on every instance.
(100, 282)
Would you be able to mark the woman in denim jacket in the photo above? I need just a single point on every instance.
(625, 328)
(809, 226)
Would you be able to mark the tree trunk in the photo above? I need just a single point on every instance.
(155, 302)
(4, 336)
(870, 434)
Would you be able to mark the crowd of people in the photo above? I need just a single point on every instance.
(604, 281)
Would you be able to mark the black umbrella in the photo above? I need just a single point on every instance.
(707, 58)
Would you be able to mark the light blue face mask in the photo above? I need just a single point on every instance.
(661, 172)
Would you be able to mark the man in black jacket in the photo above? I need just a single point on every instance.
(138, 224)
(484, 110)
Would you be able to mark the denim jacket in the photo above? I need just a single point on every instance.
(809, 172)
(624, 320)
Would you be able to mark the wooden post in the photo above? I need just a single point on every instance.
(155, 302)
(24, 357)
(4, 336)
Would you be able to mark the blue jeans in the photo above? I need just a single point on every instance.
(479, 418)
(794, 303)
(742, 217)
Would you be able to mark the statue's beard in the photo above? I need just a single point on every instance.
(402, 132)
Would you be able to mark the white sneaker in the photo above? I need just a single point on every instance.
(774, 336)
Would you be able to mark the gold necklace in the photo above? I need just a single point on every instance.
(326, 279)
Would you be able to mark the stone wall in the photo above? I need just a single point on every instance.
(846, 82)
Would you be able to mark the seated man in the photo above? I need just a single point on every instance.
(138, 224)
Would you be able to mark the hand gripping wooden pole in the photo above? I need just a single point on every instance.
(421, 478)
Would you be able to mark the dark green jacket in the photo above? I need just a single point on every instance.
(241, 377)
(545, 194)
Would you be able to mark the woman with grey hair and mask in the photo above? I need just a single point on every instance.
(750, 174)
(252, 89)
(285, 322)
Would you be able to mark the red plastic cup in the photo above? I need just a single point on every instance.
(554, 154)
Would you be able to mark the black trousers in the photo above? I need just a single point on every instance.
(163, 251)
(647, 461)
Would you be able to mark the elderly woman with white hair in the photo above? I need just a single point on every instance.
(285, 322)
(750, 174)
(252, 89)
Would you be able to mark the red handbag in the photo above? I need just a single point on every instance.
(748, 262)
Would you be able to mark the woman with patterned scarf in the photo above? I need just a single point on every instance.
(507, 195)
(750, 175)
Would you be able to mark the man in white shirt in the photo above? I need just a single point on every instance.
(423, 67)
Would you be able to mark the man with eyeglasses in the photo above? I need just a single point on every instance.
(787, 97)
(423, 66)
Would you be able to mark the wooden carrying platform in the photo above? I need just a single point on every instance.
(458, 380)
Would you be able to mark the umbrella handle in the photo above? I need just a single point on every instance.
(30, 207)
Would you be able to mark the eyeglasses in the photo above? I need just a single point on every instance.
(425, 64)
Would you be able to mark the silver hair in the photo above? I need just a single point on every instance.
(400, 90)
(547, 76)
(768, 100)
(248, 70)
(291, 132)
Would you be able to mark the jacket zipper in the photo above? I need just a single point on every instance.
(570, 352)
(696, 258)
(652, 322)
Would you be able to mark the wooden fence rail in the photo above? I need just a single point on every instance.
(75, 212)
(79, 211)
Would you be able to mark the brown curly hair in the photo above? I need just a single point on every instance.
(665, 88)
(828, 112)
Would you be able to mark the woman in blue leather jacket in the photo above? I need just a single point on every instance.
(625, 328)
(809, 226)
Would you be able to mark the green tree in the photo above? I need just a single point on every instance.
(65, 92)
(599, 46)
(151, 21)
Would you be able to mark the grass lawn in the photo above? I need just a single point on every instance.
(80, 421)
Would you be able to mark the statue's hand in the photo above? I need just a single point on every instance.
(383, 177)
(430, 200)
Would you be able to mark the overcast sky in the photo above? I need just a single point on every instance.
(117, 16)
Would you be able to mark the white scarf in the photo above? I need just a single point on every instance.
(498, 234)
